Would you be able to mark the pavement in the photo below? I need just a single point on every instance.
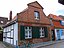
(42, 44)
(2, 45)
(38, 45)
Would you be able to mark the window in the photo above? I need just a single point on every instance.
(12, 26)
(62, 32)
(42, 32)
(28, 32)
(36, 14)
(9, 28)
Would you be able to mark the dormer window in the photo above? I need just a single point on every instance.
(36, 14)
(62, 22)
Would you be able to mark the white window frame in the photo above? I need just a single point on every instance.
(12, 26)
(9, 28)
(29, 32)
(36, 14)
(42, 32)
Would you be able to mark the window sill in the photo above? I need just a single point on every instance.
(29, 38)
(37, 19)
(42, 36)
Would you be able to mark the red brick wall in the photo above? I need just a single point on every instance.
(27, 18)
(28, 15)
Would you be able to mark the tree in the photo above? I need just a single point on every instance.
(61, 1)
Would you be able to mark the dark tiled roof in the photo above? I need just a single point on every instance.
(10, 23)
(3, 20)
(61, 16)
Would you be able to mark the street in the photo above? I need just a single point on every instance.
(2, 45)
(58, 45)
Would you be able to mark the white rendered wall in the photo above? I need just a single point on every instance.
(15, 33)
(12, 32)
(56, 34)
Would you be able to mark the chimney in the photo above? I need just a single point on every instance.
(10, 16)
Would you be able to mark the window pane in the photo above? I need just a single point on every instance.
(12, 33)
(62, 32)
(28, 32)
(8, 34)
(25, 27)
(11, 26)
(30, 36)
(41, 32)
(36, 14)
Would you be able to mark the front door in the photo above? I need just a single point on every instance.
(1, 36)
(58, 34)
(53, 35)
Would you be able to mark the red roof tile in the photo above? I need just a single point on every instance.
(54, 17)
(57, 24)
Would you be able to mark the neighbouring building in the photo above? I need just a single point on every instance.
(61, 16)
(3, 21)
(30, 25)
(57, 28)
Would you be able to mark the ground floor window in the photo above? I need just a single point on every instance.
(28, 32)
(42, 32)
(62, 32)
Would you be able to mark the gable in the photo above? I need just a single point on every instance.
(35, 4)
(28, 15)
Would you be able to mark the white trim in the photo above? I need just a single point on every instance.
(42, 32)
(36, 14)
(29, 32)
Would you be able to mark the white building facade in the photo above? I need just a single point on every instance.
(10, 34)
(59, 34)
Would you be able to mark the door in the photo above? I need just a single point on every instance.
(53, 35)
(58, 34)
(1, 36)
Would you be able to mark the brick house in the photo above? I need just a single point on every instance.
(61, 16)
(30, 25)
(57, 28)
(3, 21)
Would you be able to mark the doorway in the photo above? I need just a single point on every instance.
(58, 34)
(53, 35)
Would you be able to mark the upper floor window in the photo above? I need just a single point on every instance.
(36, 14)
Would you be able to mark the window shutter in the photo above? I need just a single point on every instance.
(22, 33)
(35, 32)
(46, 31)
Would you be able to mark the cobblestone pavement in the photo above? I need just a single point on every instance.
(58, 45)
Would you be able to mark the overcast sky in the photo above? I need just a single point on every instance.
(50, 6)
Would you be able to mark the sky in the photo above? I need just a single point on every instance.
(16, 6)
